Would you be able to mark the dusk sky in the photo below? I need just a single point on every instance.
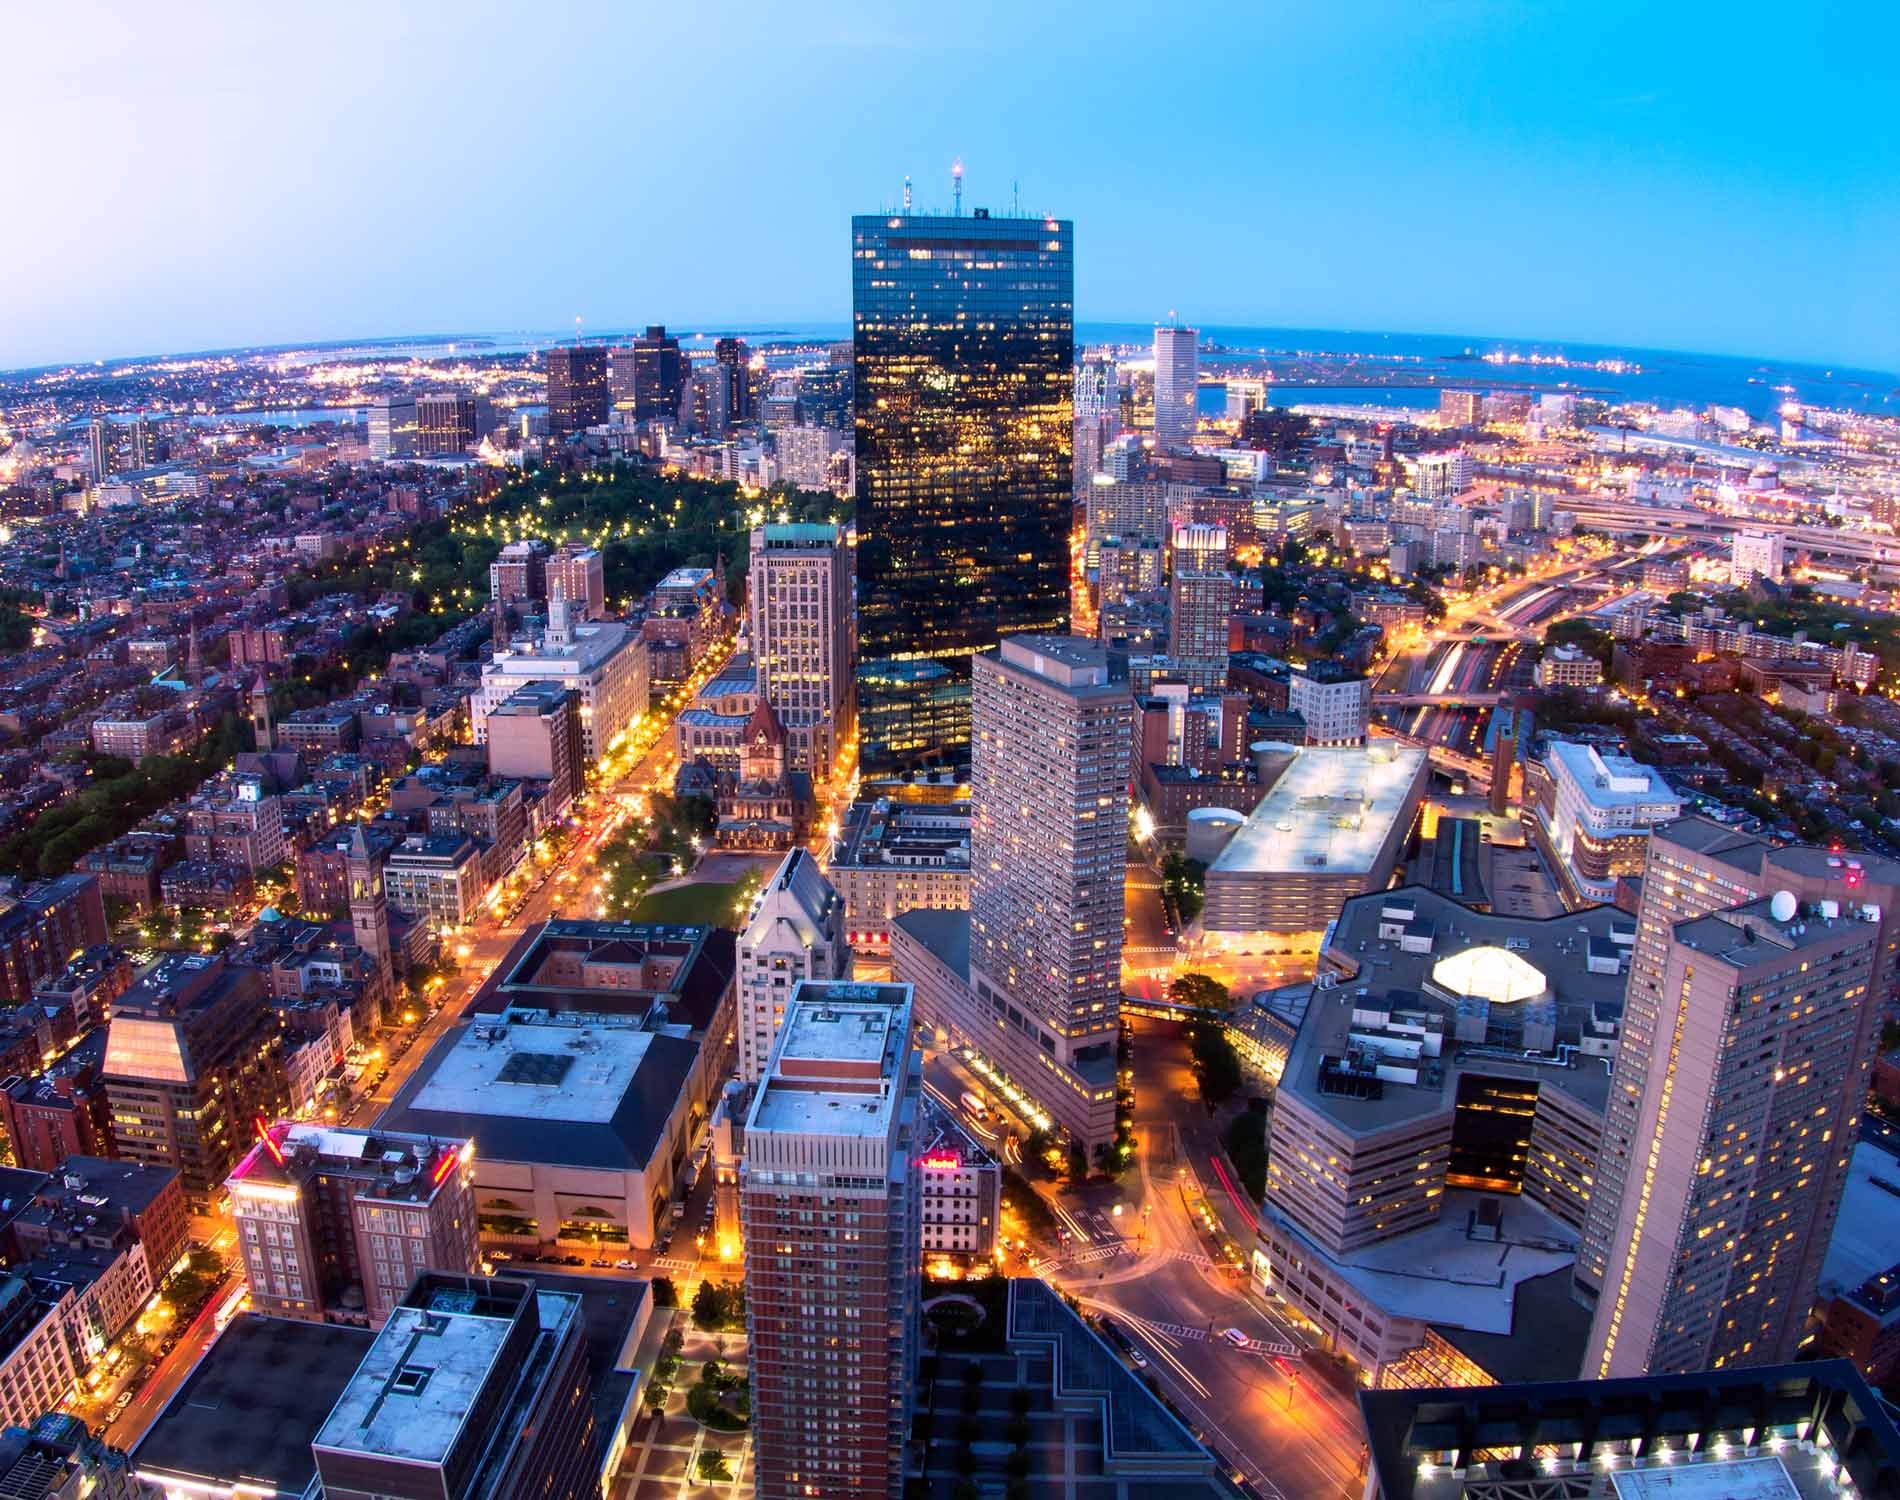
(1718, 177)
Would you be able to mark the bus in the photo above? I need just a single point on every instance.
(977, 1108)
(232, 1305)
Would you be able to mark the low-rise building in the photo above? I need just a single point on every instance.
(435, 878)
(43, 927)
(894, 857)
(1593, 823)
(1567, 666)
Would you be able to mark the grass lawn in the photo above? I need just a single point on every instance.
(710, 902)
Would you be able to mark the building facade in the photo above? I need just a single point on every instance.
(577, 388)
(1177, 384)
(963, 352)
(799, 595)
(796, 932)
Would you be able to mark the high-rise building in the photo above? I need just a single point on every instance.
(712, 398)
(535, 734)
(1097, 416)
(1506, 726)
(1756, 554)
(1053, 747)
(1201, 603)
(519, 573)
(446, 423)
(1740, 1068)
(476, 1389)
(392, 427)
(577, 574)
(797, 931)
(605, 664)
(99, 446)
(193, 1056)
(1177, 385)
(963, 351)
(732, 353)
(335, 1224)
(577, 388)
(799, 598)
(829, 1209)
(1460, 409)
(148, 447)
(660, 374)
(1594, 821)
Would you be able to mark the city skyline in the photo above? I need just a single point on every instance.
(1527, 250)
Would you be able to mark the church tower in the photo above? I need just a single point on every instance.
(369, 911)
(260, 714)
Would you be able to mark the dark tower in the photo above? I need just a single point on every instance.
(369, 911)
(260, 714)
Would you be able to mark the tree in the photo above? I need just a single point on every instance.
(1200, 991)
(1216, 1064)
(713, 1468)
(665, 1294)
(709, 1306)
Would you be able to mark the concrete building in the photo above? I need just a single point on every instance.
(1053, 746)
(334, 1224)
(56, 1458)
(799, 598)
(1757, 554)
(392, 428)
(1567, 666)
(581, 1123)
(603, 663)
(1449, 1071)
(577, 388)
(960, 1187)
(1748, 1040)
(1330, 826)
(535, 734)
(577, 574)
(1177, 386)
(43, 927)
(235, 819)
(830, 1212)
(519, 573)
(894, 857)
(435, 878)
(796, 932)
(1200, 605)
(192, 1057)
(476, 1389)
(1335, 703)
(1595, 824)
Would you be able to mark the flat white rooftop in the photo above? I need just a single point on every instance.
(833, 1029)
(1330, 812)
(1742, 1479)
(1867, 1234)
(565, 1073)
(1608, 781)
(591, 645)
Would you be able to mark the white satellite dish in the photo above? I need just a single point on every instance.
(1782, 906)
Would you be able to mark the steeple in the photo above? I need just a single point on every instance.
(260, 713)
(369, 910)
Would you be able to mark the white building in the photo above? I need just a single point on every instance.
(1336, 708)
(797, 931)
(1567, 666)
(603, 662)
(1600, 813)
(1756, 554)
(1439, 476)
(1177, 384)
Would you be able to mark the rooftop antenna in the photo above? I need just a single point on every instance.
(577, 328)
(956, 186)
(906, 193)
(1015, 199)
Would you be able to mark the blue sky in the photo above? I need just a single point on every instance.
(1712, 177)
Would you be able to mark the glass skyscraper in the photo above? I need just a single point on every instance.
(963, 349)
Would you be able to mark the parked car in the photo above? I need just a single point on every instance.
(626, 1265)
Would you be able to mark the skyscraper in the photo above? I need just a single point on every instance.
(446, 423)
(799, 601)
(392, 427)
(796, 932)
(1177, 383)
(1201, 602)
(660, 375)
(1756, 982)
(1097, 416)
(828, 1203)
(733, 354)
(577, 387)
(577, 573)
(99, 455)
(1054, 737)
(963, 350)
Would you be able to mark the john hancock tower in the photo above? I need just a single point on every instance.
(963, 367)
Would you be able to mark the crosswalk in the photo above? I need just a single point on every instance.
(1257, 1346)
(674, 1263)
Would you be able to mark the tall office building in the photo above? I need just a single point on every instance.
(712, 398)
(1756, 982)
(1200, 604)
(733, 354)
(535, 734)
(797, 931)
(1053, 745)
(335, 1224)
(392, 427)
(829, 1207)
(99, 453)
(1097, 416)
(799, 601)
(660, 374)
(1177, 385)
(148, 447)
(963, 369)
(1756, 554)
(577, 388)
(446, 423)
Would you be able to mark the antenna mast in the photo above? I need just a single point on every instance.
(956, 186)
(907, 193)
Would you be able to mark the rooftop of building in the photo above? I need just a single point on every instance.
(1082, 667)
(251, 1405)
(1608, 780)
(1566, 973)
(798, 894)
(533, 698)
(548, 966)
(945, 935)
(795, 535)
(589, 645)
(836, 1062)
(1759, 932)
(569, 1091)
(1329, 813)
(1772, 1432)
(385, 1164)
(411, 1396)
(96, 1186)
(888, 833)
(1866, 1240)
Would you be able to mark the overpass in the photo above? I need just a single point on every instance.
(1473, 699)
(1824, 541)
